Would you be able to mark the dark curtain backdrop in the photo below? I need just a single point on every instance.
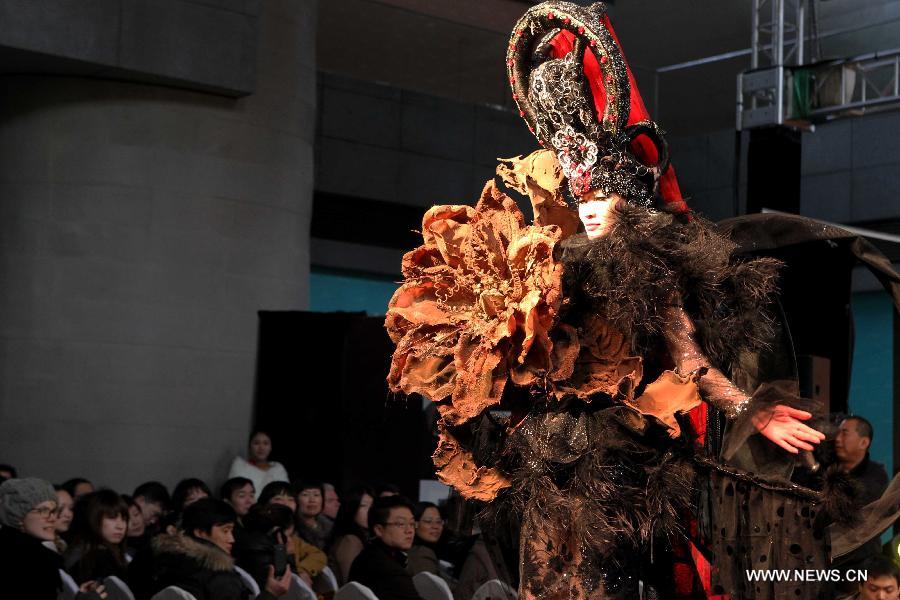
(322, 396)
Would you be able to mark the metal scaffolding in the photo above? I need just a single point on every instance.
(785, 85)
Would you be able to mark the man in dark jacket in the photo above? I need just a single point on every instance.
(851, 446)
(198, 559)
(854, 438)
(381, 566)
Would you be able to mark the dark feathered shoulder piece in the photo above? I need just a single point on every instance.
(650, 259)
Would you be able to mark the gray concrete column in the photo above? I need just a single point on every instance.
(141, 229)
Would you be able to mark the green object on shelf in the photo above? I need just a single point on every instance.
(802, 79)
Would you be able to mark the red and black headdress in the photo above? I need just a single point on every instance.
(579, 97)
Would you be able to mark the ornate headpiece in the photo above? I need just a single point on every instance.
(575, 90)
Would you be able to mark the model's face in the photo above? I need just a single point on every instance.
(597, 212)
(848, 444)
(332, 504)
(431, 525)
(113, 529)
(40, 521)
(310, 502)
(64, 511)
(285, 500)
(136, 525)
(220, 535)
(242, 499)
(879, 588)
(362, 513)
(399, 530)
(260, 447)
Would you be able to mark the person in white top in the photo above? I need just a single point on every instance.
(257, 467)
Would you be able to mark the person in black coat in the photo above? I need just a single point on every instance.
(29, 569)
(381, 566)
(198, 559)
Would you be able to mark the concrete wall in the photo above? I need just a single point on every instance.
(850, 169)
(142, 229)
(200, 44)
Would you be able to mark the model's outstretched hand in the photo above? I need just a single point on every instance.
(782, 425)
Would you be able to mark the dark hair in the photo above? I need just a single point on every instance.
(390, 488)
(276, 488)
(310, 484)
(421, 507)
(863, 427)
(153, 492)
(256, 432)
(381, 509)
(184, 488)
(70, 484)
(12, 470)
(345, 521)
(881, 566)
(87, 530)
(265, 518)
(233, 485)
(129, 501)
(206, 513)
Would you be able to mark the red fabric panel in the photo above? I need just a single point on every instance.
(643, 148)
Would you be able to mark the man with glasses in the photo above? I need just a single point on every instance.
(381, 566)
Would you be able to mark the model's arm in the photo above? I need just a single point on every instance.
(781, 424)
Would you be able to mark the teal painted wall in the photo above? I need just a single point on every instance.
(334, 290)
(871, 383)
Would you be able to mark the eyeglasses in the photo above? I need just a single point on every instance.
(45, 512)
(403, 524)
(432, 521)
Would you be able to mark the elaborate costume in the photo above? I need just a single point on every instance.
(585, 381)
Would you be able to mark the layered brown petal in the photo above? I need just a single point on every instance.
(456, 467)
(670, 394)
(540, 177)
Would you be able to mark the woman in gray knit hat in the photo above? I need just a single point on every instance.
(28, 518)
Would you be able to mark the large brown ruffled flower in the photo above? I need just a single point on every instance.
(476, 306)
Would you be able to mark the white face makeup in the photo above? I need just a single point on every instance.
(597, 213)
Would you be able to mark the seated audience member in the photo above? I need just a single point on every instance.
(477, 569)
(8, 472)
(262, 522)
(257, 467)
(332, 502)
(198, 559)
(423, 556)
(311, 525)
(153, 499)
(136, 537)
(240, 494)
(64, 505)
(351, 530)
(78, 487)
(279, 492)
(381, 566)
(98, 537)
(882, 581)
(187, 492)
(29, 570)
